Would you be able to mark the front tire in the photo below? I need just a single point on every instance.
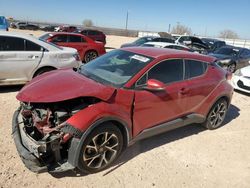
(101, 148)
(216, 115)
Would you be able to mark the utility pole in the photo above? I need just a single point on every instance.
(127, 21)
(169, 28)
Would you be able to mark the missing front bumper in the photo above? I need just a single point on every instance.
(29, 152)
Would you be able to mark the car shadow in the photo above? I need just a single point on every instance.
(154, 142)
(9, 89)
(242, 93)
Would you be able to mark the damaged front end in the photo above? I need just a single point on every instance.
(42, 135)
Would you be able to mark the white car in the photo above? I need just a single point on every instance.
(23, 57)
(166, 45)
(241, 79)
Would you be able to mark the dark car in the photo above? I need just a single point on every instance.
(143, 40)
(232, 58)
(96, 35)
(86, 118)
(49, 28)
(194, 43)
(213, 44)
(28, 26)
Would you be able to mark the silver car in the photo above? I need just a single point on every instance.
(23, 57)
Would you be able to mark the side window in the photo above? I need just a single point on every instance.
(31, 46)
(182, 39)
(74, 38)
(167, 71)
(194, 68)
(11, 44)
(59, 38)
(84, 32)
(92, 33)
(142, 81)
(245, 53)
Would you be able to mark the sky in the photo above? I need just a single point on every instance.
(204, 17)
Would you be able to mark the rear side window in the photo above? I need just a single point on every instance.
(74, 38)
(93, 33)
(60, 38)
(31, 46)
(194, 68)
(168, 71)
(11, 44)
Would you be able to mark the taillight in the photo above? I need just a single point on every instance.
(77, 57)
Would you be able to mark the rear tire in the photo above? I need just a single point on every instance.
(90, 55)
(43, 70)
(101, 148)
(216, 115)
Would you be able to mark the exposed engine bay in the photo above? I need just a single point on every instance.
(43, 127)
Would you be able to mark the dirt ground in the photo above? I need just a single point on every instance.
(187, 157)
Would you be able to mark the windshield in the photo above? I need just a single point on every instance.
(50, 43)
(115, 68)
(227, 51)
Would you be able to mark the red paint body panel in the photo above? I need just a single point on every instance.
(60, 85)
(81, 47)
(154, 108)
(118, 106)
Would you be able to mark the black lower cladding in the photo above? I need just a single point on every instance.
(241, 85)
(48, 162)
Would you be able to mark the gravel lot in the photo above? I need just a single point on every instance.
(187, 157)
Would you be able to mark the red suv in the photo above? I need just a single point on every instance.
(86, 47)
(85, 118)
(95, 35)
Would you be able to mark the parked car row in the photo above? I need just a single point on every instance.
(229, 57)
(94, 34)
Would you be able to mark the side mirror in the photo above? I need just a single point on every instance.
(154, 85)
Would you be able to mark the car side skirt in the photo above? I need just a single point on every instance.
(168, 126)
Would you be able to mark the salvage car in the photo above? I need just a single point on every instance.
(232, 58)
(143, 40)
(213, 44)
(86, 47)
(85, 118)
(241, 79)
(23, 57)
(167, 45)
(194, 43)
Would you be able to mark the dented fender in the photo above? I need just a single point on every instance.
(100, 112)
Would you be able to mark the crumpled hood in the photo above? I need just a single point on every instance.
(63, 85)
